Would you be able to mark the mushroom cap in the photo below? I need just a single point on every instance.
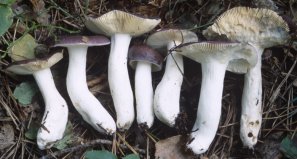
(161, 38)
(66, 41)
(25, 67)
(119, 22)
(146, 54)
(262, 27)
(223, 52)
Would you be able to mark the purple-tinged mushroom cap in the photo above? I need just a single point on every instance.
(146, 54)
(68, 41)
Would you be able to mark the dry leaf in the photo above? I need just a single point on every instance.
(39, 9)
(158, 3)
(270, 148)
(146, 11)
(171, 148)
(6, 136)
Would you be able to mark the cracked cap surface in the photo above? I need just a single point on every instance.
(262, 27)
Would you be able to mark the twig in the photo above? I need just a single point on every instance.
(86, 145)
(277, 90)
(181, 71)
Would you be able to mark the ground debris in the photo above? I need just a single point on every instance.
(270, 148)
(6, 136)
(172, 148)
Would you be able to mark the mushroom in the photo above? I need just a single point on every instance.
(167, 93)
(214, 58)
(121, 26)
(144, 60)
(82, 99)
(55, 117)
(261, 28)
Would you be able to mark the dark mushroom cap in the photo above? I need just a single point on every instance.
(119, 22)
(67, 41)
(146, 54)
(26, 67)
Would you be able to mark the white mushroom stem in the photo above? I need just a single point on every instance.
(209, 107)
(83, 100)
(119, 81)
(55, 115)
(144, 93)
(167, 93)
(251, 113)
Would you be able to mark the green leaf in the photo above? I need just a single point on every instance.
(132, 156)
(7, 2)
(64, 142)
(25, 92)
(31, 133)
(23, 48)
(5, 18)
(101, 154)
(67, 139)
(289, 147)
(69, 128)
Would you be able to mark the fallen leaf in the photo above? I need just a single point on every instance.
(25, 92)
(23, 48)
(145, 10)
(31, 133)
(6, 136)
(7, 2)
(158, 3)
(99, 154)
(289, 147)
(5, 18)
(171, 148)
(63, 143)
(40, 11)
(67, 139)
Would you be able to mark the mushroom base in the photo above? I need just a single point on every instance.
(55, 117)
(83, 100)
(119, 82)
(251, 113)
(167, 93)
(209, 107)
